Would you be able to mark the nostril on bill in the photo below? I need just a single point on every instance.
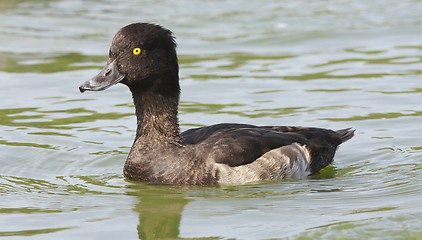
(107, 72)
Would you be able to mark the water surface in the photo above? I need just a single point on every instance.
(312, 63)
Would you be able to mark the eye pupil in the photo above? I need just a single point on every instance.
(136, 51)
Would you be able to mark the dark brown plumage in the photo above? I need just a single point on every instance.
(217, 154)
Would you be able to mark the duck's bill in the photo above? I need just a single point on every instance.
(108, 77)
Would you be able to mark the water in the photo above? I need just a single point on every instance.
(332, 64)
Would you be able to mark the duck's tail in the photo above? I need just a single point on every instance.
(345, 134)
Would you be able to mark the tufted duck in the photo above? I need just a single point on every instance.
(143, 57)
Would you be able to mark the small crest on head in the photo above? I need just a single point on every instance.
(146, 35)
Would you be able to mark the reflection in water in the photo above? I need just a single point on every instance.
(160, 211)
(159, 218)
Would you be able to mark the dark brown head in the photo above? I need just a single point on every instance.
(143, 57)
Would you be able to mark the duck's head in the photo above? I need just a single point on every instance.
(143, 57)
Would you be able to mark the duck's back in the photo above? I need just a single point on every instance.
(240, 144)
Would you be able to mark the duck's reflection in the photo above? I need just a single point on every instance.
(160, 210)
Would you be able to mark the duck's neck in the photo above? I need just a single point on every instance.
(157, 117)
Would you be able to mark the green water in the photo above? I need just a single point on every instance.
(331, 64)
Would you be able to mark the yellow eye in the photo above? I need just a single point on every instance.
(136, 51)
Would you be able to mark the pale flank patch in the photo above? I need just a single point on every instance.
(291, 161)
